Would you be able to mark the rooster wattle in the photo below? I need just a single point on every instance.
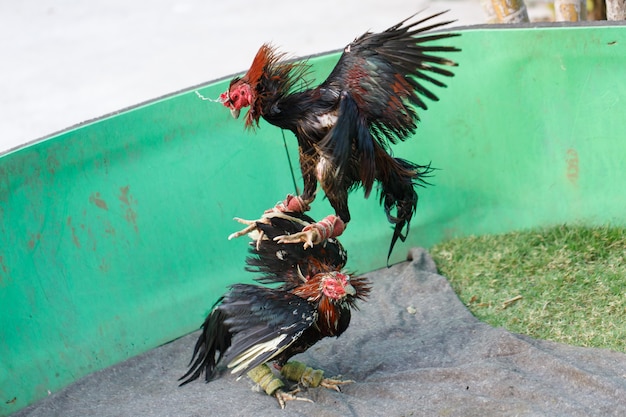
(346, 125)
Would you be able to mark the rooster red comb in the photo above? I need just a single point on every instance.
(270, 75)
(266, 55)
(245, 91)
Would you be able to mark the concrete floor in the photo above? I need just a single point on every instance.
(68, 61)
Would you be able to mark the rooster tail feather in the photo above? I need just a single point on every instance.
(214, 340)
(398, 191)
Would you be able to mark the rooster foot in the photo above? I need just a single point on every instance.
(251, 226)
(316, 233)
(334, 383)
(309, 238)
(290, 204)
(263, 376)
(309, 377)
(253, 230)
(282, 397)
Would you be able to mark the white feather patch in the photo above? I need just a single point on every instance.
(327, 120)
(243, 360)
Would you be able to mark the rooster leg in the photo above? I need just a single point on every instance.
(252, 225)
(309, 377)
(272, 385)
(291, 203)
(316, 233)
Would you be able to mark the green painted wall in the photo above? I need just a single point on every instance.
(113, 234)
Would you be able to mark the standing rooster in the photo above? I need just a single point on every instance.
(251, 325)
(346, 125)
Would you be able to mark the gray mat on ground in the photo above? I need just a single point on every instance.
(413, 350)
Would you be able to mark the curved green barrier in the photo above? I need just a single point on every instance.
(113, 233)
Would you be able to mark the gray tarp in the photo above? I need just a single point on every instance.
(413, 350)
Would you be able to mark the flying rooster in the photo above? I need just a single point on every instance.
(346, 125)
(252, 324)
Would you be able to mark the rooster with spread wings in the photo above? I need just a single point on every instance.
(345, 126)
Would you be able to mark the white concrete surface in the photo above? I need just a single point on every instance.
(67, 61)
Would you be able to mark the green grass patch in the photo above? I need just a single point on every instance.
(566, 283)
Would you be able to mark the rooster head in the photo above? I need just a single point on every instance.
(332, 291)
(238, 96)
(336, 285)
(247, 91)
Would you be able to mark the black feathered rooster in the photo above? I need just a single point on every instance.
(252, 325)
(346, 125)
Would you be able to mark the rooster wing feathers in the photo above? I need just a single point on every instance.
(380, 79)
(264, 322)
(249, 325)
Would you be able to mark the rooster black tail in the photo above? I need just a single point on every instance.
(398, 191)
(215, 339)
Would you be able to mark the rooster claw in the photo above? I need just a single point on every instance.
(308, 237)
(334, 383)
(252, 229)
(282, 397)
(258, 235)
(252, 226)
(316, 233)
(311, 378)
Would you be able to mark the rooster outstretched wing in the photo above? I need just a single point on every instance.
(380, 79)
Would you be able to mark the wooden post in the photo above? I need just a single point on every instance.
(489, 11)
(597, 10)
(570, 10)
(505, 11)
(616, 9)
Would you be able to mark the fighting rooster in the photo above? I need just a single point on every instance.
(252, 325)
(346, 125)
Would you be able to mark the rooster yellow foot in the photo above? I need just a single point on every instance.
(263, 376)
(311, 378)
(316, 233)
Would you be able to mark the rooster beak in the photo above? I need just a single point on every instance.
(234, 112)
(349, 289)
